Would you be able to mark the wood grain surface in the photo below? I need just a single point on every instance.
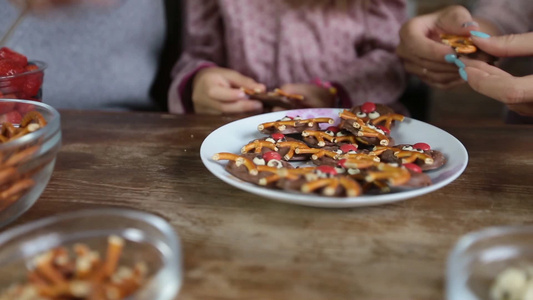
(239, 246)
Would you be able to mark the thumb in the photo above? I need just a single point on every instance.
(456, 20)
(506, 45)
(236, 79)
(506, 89)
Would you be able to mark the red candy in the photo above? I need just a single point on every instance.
(368, 107)
(385, 129)
(413, 167)
(333, 129)
(422, 146)
(278, 136)
(342, 163)
(348, 147)
(268, 156)
(327, 170)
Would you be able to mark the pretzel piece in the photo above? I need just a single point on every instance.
(461, 44)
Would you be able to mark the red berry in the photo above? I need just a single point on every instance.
(278, 136)
(9, 67)
(6, 53)
(413, 167)
(12, 117)
(368, 107)
(333, 129)
(385, 129)
(422, 146)
(6, 107)
(348, 147)
(32, 84)
(24, 108)
(270, 155)
(327, 170)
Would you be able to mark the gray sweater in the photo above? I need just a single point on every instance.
(98, 58)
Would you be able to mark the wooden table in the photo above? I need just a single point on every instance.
(238, 246)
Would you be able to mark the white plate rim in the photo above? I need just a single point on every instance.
(206, 153)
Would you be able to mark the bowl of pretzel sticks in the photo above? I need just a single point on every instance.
(30, 137)
(96, 254)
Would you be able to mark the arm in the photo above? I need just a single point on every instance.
(203, 47)
(377, 74)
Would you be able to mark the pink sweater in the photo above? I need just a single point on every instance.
(275, 44)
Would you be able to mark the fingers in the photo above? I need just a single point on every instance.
(484, 67)
(228, 107)
(507, 89)
(238, 80)
(506, 45)
(416, 35)
(524, 109)
(228, 100)
(456, 20)
(222, 93)
(416, 41)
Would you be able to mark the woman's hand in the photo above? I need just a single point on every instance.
(422, 51)
(218, 90)
(515, 92)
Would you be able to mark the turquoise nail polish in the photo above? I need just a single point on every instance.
(460, 64)
(479, 34)
(450, 58)
(463, 74)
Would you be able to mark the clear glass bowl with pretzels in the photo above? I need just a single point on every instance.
(97, 254)
(30, 137)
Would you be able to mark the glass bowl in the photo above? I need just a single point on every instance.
(27, 85)
(26, 163)
(479, 257)
(148, 239)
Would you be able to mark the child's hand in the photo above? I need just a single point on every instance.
(217, 90)
(315, 96)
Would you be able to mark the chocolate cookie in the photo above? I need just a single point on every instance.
(463, 46)
(275, 98)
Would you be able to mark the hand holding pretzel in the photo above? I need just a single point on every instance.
(423, 52)
(515, 92)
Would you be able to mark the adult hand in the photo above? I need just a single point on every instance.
(515, 92)
(314, 96)
(218, 90)
(423, 53)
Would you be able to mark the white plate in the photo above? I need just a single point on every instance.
(233, 136)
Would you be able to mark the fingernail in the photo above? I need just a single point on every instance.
(450, 58)
(463, 74)
(460, 64)
(479, 34)
(468, 24)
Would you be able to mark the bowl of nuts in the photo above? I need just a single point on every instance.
(494, 263)
(103, 254)
(30, 137)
